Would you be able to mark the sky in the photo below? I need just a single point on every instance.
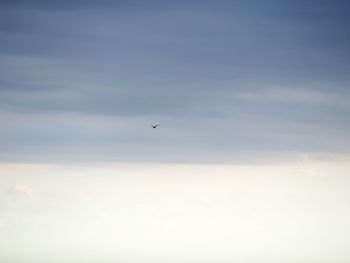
(252, 152)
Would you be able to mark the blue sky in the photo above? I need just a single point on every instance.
(227, 80)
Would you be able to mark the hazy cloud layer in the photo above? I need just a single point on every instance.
(294, 212)
(24, 190)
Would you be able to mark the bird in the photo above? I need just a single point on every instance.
(155, 126)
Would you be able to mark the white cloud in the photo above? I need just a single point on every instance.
(25, 190)
(144, 208)
(306, 171)
(84, 198)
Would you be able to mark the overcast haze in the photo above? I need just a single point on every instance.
(247, 93)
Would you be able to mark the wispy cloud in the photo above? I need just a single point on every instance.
(298, 96)
(84, 197)
(306, 171)
(25, 190)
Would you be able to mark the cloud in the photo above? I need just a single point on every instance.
(83, 197)
(25, 190)
(306, 171)
(297, 95)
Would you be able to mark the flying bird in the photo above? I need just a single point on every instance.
(155, 126)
